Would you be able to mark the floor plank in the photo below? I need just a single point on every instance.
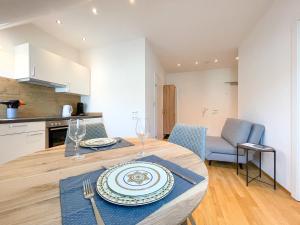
(229, 202)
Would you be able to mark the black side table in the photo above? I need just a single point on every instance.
(256, 148)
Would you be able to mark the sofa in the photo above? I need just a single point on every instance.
(234, 132)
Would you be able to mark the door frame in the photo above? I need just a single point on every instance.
(155, 95)
(295, 117)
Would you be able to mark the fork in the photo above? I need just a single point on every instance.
(89, 194)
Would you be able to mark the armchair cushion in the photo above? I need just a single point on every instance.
(256, 134)
(236, 131)
(220, 146)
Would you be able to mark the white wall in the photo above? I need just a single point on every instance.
(197, 91)
(117, 84)
(154, 94)
(265, 82)
(39, 38)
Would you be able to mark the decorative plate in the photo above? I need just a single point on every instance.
(137, 178)
(133, 175)
(98, 142)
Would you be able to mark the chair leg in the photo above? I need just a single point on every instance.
(241, 165)
(209, 162)
(191, 219)
(185, 222)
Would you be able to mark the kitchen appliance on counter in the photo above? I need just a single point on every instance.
(80, 109)
(56, 132)
(12, 107)
(67, 111)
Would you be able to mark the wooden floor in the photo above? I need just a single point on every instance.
(229, 202)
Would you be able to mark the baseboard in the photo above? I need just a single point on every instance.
(267, 175)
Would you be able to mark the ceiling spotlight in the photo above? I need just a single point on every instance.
(196, 63)
(216, 60)
(131, 2)
(84, 39)
(178, 65)
(237, 58)
(94, 10)
(58, 21)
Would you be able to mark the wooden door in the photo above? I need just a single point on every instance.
(169, 108)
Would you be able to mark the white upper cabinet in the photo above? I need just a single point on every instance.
(42, 67)
(78, 81)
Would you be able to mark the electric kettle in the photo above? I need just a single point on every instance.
(67, 111)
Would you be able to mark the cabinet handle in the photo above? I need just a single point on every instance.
(35, 134)
(33, 71)
(15, 126)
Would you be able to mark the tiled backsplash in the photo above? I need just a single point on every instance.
(40, 101)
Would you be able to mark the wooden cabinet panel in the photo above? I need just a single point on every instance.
(169, 108)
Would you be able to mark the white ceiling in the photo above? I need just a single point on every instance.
(180, 31)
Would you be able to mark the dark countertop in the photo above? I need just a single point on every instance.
(48, 118)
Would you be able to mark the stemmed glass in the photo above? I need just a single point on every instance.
(76, 132)
(142, 134)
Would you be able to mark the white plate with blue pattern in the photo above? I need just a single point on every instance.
(137, 178)
(130, 184)
(98, 142)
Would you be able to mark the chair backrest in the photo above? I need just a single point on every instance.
(190, 137)
(236, 131)
(93, 130)
(256, 134)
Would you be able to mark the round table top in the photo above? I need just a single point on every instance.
(30, 185)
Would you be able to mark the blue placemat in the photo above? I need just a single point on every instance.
(77, 210)
(121, 143)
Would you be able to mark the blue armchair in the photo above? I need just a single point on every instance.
(234, 132)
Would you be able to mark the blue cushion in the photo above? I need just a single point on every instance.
(256, 134)
(191, 137)
(236, 131)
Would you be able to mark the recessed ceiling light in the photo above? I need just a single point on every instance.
(178, 65)
(216, 60)
(131, 2)
(58, 21)
(84, 39)
(94, 10)
(237, 58)
(196, 63)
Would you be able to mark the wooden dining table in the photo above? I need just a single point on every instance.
(29, 185)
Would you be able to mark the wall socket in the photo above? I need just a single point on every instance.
(135, 115)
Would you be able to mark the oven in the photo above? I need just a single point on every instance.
(56, 132)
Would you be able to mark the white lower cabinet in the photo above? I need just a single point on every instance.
(25, 139)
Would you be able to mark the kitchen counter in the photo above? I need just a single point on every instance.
(48, 118)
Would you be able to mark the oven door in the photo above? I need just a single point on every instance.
(57, 136)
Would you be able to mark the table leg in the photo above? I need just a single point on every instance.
(260, 164)
(274, 170)
(246, 167)
(237, 160)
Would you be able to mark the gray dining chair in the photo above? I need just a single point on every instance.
(93, 130)
(190, 137)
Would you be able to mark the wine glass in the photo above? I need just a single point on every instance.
(141, 132)
(76, 132)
